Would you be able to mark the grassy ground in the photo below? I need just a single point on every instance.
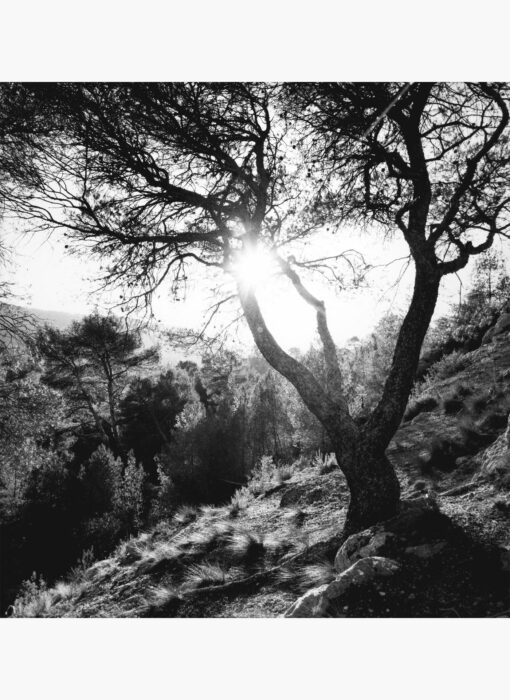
(278, 537)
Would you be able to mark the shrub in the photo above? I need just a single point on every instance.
(164, 503)
(100, 478)
(85, 561)
(33, 599)
(128, 495)
(265, 475)
(449, 365)
(239, 501)
(421, 405)
(102, 532)
(452, 404)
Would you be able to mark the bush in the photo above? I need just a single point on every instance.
(166, 498)
(128, 495)
(33, 599)
(452, 404)
(421, 405)
(100, 477)
(449, 365)
(325, 463)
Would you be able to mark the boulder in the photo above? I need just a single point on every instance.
(314, 603)
(417, 530)
(363, 544)
(311, 604)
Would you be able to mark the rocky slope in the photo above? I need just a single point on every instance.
(276, 549)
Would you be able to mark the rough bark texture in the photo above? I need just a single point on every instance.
(375, 492)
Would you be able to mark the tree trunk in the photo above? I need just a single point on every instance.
(374, 490)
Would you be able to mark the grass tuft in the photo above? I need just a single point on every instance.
(207, 574)
(165, 555)
(239, 502)
(132, 551)
(186, 514)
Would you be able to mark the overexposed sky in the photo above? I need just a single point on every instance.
(47, 276)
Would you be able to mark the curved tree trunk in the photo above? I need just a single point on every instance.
(374, 491)
(360, 452)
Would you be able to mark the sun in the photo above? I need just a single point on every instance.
(255, 267)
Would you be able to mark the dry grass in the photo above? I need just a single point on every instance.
(132, 551)
(324, 463)
(239, 502)
(164, 555)
(283, 473)
(185, 515)
(316, 575)
(208, 574)
(39, 606)
(161, 596)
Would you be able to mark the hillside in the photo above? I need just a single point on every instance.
(447, 553)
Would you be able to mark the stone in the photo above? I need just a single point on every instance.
(314, 603)
(362, 544)
(311, 604)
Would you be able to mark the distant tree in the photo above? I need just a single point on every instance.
(30, 416)
(148, 413)
(155, 178)
(490, 278)
(17, 325)
(365, 364)
(92, 363)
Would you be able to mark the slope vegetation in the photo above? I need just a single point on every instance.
(279, 536)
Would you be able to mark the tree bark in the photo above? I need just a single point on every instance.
(387, 415)
(374, 491)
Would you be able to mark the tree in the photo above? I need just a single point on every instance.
(93, 361)
(17, 326)
(30, 414)
(148, 413)
(159, 177)
(490, 279)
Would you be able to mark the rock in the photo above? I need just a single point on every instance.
(360, 545)
(426, 551)
(419, 529)
(314, 603)
(311, 604)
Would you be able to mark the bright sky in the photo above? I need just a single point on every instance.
(48, 277)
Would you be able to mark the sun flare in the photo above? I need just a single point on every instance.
(255, 267)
